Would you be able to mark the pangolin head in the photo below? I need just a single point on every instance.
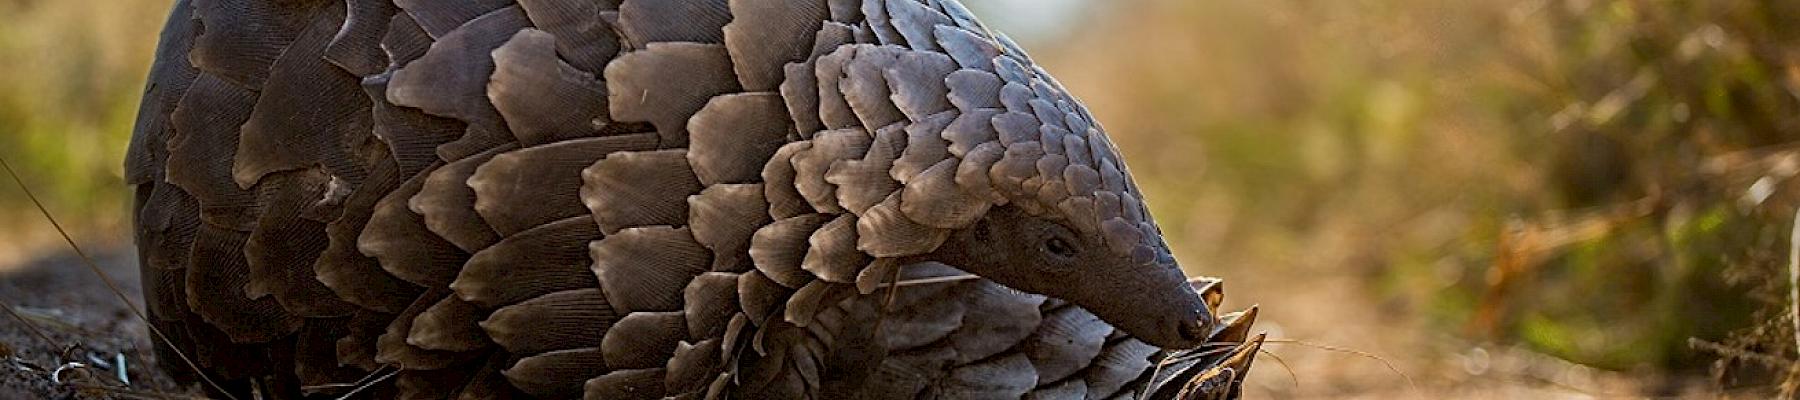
(1077, 230)
(970, 155)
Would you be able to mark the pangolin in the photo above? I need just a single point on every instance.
(621, 199)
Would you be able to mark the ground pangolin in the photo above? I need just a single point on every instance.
(647, 199)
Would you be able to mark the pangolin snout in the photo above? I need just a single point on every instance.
(1196, 329)
(1155, 306)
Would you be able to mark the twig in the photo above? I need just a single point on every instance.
(56, 376)
(359, 382)
(1390, 365)
(1284, 365)
(104, 278)
(1154, 372)
(887, 304)
(927, 281)
(97, 362)
(124, 376)
(1794, 276)
(371, 383)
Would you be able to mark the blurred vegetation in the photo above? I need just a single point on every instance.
(1669, 110)
(74, 71)
(1609, 182)
(1604, 181)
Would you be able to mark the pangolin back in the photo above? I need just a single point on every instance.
(622, 199)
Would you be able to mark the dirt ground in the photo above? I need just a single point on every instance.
(1357, 347)
(85, 328)
(1350, 342)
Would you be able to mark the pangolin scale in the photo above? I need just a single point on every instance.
(621, 199)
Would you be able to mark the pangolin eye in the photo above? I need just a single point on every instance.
(1060, 247)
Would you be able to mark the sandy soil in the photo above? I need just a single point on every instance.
(1359, 347)
(81, 322)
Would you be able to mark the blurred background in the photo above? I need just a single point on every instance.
(1477, 198)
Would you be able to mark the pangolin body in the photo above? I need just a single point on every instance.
(647, 199)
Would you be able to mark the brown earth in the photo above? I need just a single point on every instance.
(70, 305)
(81, 321)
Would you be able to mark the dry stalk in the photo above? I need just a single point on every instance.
(1794, 277)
